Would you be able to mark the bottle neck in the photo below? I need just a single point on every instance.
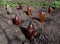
(42, 12)
(16, 17)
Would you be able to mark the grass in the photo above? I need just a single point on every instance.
(33, 3)
(56, 4)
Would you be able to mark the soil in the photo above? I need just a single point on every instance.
(47, 32)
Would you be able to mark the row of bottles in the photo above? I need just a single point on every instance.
(29, 9)
(30, 28)
(41, 18)
(41, 14)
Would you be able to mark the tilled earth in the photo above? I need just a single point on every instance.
(47, 32)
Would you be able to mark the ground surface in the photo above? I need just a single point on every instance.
(45, 33)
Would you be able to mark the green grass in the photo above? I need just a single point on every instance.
(56, 4)
(33, 3)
